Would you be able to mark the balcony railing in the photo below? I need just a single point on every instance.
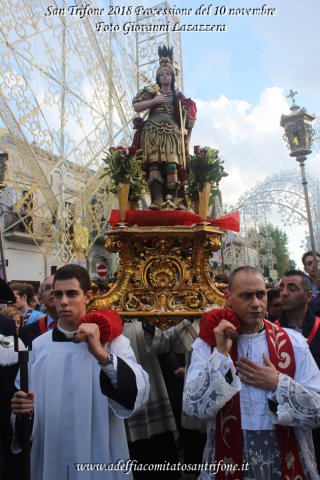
(31, 226)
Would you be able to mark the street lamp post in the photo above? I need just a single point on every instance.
(298, 136)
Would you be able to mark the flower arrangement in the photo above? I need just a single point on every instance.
(205, 166)
(123, 165)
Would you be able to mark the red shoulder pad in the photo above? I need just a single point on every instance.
(210, 320)
(108, 321)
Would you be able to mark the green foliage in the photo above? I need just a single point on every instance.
(124, 165)
(280, 250)
(204, 166)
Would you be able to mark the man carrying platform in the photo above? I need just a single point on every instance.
(258, 395)
(81, 392)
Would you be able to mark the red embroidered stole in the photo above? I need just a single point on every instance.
(228, 422)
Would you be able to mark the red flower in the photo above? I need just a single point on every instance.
(112, 149)
(132, 149)
(203, 152)
(196, 149)
(121, 151)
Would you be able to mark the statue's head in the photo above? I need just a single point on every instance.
(165, 64)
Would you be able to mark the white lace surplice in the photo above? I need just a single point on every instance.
(207, 391)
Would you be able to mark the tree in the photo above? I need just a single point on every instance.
(270, 240)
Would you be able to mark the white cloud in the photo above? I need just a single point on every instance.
(248, 137)
(266, 115)
(250, 141)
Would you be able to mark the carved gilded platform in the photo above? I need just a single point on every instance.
(163, 274)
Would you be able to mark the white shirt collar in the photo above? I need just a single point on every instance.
(66, 332)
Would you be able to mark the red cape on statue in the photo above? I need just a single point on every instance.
(148, 218)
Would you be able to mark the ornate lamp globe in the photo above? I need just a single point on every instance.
(298, 129)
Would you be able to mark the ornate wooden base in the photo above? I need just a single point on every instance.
(164, 273)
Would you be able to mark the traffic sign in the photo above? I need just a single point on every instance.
(102, 270)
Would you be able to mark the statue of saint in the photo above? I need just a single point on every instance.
(164, 135)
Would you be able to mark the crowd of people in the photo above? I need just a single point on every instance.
(191, 394)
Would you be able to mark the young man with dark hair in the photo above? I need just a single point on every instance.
(244, 389)
(81, 392)
(23, 293)
(70, 272)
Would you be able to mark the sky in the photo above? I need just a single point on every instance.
(240, 79)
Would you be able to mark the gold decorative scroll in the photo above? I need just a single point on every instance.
(164, 273)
